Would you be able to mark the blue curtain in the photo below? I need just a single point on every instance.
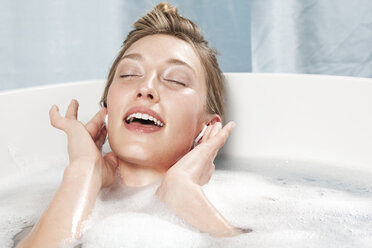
(313, 36)
(53, 41)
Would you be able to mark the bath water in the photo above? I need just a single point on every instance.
(286, 203)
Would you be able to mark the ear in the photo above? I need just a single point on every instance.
(213, 118)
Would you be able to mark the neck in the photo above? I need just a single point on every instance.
(134, 175)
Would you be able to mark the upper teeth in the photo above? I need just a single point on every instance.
(144, 117)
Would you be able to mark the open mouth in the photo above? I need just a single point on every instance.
(143, 119)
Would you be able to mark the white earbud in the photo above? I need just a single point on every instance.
(200, 135)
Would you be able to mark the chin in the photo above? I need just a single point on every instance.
(145, 153)
(136, 154)
(132, 153)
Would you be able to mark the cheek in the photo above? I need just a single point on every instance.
(112, 95)
(191, 105)
(116, 98)
(187, 114)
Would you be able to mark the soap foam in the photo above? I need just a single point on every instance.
(286, 203)
(25, 195)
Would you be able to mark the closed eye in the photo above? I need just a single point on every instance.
(175, 81)
(129, 75)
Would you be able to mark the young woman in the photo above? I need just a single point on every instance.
(163, 89)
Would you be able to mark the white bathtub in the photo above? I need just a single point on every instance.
(306, 117)
(310, 118)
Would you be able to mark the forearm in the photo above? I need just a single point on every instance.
(190, 203)
(70, 206)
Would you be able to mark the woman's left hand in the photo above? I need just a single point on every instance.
(197, 165)
(181, 188)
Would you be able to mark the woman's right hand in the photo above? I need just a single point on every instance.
(83, 178)
(85, 142)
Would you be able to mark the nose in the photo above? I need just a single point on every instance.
(147, 89)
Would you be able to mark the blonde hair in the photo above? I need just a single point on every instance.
(164, 19)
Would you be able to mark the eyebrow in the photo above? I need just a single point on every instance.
(137, 56)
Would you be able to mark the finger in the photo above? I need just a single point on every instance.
(108, 175)
(216, 128)
(220, 138)
(217, 141)
(96, 123)
(56, 120)
(72, 110)
(112, 160)
(101, 137)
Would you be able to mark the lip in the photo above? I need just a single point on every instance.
(139, 128)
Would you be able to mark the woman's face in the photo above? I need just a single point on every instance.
(156, 102)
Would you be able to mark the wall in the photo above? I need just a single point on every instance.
(51, 41)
